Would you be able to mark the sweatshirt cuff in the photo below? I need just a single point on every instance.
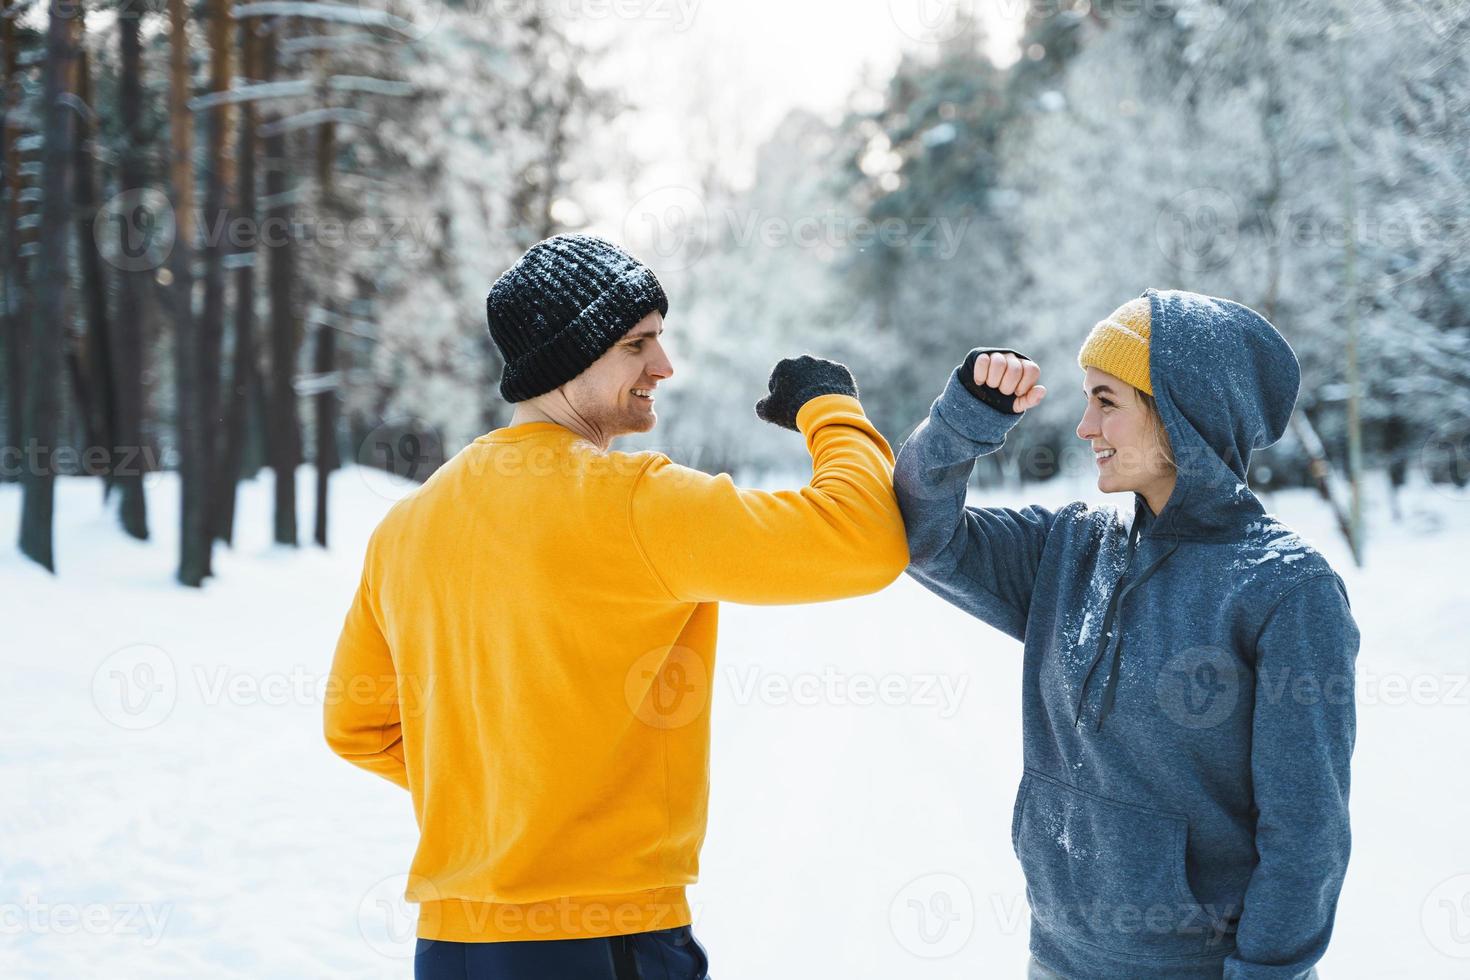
(824, 405)
(970, 417)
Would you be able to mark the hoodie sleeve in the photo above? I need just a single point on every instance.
(1302, 742)
(981, 559)
(841, 535)
(361, 715)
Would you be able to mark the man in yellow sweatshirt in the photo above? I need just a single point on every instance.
(530, 652)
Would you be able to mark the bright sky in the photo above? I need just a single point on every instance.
(712, 78)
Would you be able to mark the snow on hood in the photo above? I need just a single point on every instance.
(1226, 382)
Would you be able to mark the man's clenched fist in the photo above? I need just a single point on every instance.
(796, 381)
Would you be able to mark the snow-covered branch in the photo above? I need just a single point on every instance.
(253, 92)
(316, 117)
(340, 13)
(326, 42)
(366, 83)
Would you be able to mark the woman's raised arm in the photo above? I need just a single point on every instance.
(982, 560)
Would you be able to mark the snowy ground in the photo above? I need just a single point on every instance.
(168, 808)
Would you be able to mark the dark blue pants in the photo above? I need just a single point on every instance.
(668, 954)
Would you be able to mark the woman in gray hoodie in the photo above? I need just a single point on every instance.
(1188, 686)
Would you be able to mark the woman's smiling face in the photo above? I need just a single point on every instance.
(1130, 447)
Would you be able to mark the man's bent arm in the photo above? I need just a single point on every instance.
(840, 535)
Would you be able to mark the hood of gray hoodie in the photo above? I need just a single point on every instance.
(1225, 382)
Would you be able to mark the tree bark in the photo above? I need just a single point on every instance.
(243, 370)
(284, 440)
(326, 425)
(326, 339)
(14, 318)
(194, 541)
(1323, 475)
(48, 325)
(216, 226)
(97, 370)
(133, 292)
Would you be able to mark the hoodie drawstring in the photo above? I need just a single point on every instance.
(1115, 643)
(1106, 631)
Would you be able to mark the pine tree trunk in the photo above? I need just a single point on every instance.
(326, 343)
(97, 367)
(284, 441)
(48, 326)
(257, 454)
(242, 372)
(133, 293)
(14, 320)
(194, 541)
(216, 228)
(326, 424)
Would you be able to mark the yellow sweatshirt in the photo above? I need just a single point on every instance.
(531, 650)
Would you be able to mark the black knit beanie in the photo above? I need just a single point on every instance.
(561, 306)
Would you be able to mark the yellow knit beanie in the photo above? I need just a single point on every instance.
(1119, 345)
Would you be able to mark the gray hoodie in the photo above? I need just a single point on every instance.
(1188, 690)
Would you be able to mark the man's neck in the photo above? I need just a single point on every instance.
(562, 415)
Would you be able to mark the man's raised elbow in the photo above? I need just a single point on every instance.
(336, 733)
(889, 555)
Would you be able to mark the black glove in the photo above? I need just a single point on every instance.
(796, 381)
(993, 397)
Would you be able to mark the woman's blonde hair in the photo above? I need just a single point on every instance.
(1151, 406)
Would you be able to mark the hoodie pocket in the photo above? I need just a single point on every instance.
(1104, 873)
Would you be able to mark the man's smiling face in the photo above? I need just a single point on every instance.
(616, 394)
